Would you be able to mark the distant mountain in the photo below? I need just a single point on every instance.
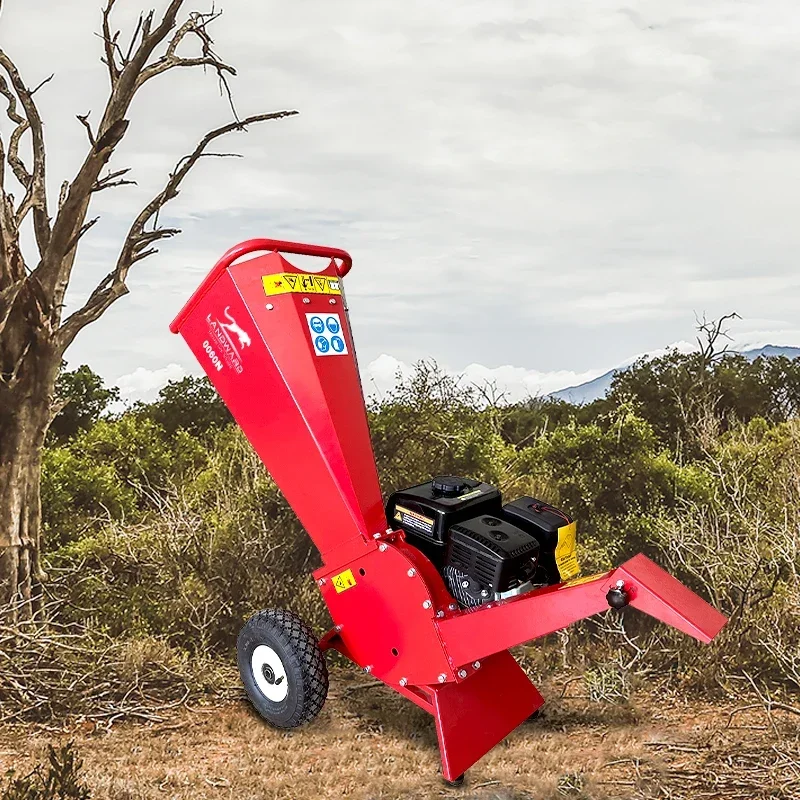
(597, 388)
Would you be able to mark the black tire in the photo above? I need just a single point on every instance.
(292, 681)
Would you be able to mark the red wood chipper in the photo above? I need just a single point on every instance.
(428, 591)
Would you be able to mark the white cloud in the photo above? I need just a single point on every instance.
(552, 185)
(514, 383)
(144, 384)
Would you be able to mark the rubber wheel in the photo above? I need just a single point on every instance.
(282, 668)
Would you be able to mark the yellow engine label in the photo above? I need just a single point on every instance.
(413, 519)
(343, 581)
(566, 555)
(588, 579)
(300, 283)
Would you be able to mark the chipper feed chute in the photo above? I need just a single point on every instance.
(431, 604)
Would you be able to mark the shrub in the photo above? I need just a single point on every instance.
(209, 551)
(58, 779)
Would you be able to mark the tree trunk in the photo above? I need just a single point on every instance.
(24, 418)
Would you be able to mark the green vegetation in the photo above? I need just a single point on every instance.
(160, 522)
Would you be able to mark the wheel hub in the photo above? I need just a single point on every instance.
(269, 673)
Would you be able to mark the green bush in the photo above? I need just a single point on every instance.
(181, 536)
(108, 472)
(205, 554)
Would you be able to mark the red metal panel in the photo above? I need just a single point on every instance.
(487, 629)
(473, 716)
(326, 390)
(386, 619)
(303, 414)
(657, 593)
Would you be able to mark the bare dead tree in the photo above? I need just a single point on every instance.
(33, 335)
(710, 333)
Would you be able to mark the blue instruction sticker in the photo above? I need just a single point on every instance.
(337, 343)
(321, 344)
(327, 337)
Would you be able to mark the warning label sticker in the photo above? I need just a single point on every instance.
(343, 581)
(299, 283)
(414, 520)
(326, 334)
(566, 555)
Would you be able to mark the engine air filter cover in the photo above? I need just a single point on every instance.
(495, 554)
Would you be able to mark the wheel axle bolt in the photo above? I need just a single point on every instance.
(426, 604)
(412, 572)
(442, 678)
(403, 681)
(476, 664)
(462, 673)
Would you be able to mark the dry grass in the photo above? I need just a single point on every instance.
(369, 743)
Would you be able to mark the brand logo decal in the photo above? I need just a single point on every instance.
(227, 340)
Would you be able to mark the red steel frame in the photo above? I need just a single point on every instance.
(304, 414)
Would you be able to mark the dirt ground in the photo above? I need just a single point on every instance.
(370, 743)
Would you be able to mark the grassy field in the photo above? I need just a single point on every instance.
(369, 743)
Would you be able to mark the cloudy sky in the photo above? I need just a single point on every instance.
(534, 191)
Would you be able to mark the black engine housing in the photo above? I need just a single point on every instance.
(484, 550)
(487, 558)
(426, 512)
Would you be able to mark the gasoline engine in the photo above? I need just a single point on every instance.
(483, 549)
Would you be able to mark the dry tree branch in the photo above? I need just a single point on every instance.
(110, 43)
(196, 25)
(14, 161)
(84, 120)
(34, 180)
(57, 259)
(139, 242)
(113, 179)
(711, 331)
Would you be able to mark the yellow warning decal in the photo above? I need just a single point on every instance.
(413, 519)
(300, 283)
(587, 579)
(566, 557)
(343, 581)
